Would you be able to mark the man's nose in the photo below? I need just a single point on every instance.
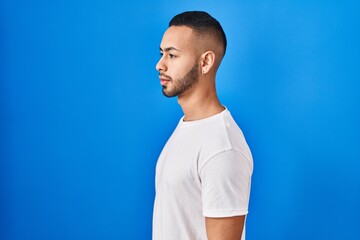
(160, 66)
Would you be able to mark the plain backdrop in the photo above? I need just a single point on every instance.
(83, 119)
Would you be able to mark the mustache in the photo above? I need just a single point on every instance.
(165, 76)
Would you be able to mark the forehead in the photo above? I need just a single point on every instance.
(179, 37)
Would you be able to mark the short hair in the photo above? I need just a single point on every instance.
(202, 23)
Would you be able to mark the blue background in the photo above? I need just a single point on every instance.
(83, 118)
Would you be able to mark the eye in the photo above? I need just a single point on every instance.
(171, 56)
(161, 54)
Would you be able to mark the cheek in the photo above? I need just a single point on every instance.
(180, 67)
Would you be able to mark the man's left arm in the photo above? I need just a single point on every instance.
(226, 179)
(228, 228)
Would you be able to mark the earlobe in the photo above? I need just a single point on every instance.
(208, 59)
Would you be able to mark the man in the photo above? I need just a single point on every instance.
(204, 172)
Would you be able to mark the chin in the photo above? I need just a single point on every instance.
(167, 94)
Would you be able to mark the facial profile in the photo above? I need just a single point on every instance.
(178, 67)
(194, 43)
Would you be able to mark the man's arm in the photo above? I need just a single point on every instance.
(228, 228)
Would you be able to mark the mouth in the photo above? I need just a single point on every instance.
(164, 81)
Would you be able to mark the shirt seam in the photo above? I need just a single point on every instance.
(229, 146)
(223, 151)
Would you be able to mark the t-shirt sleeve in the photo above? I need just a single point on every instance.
(225, 180)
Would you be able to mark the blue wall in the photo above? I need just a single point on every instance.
(83, 118)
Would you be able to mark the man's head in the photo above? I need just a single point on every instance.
(193, 46)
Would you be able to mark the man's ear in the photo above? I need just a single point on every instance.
(207, 62)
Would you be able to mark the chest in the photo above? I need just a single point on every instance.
(178, 164)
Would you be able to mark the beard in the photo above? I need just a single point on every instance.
(179, 86)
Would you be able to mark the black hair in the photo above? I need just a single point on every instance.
(202, 23)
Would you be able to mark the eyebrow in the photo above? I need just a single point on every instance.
(169, 49)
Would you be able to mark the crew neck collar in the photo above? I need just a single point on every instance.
(203, 120)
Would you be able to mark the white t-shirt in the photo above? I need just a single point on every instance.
(203, 171)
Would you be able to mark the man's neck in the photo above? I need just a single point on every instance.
(200, 106)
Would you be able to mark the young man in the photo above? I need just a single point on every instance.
(204, 172)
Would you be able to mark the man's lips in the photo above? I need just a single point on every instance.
(164, 81)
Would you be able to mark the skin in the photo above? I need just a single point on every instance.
(187, 69)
